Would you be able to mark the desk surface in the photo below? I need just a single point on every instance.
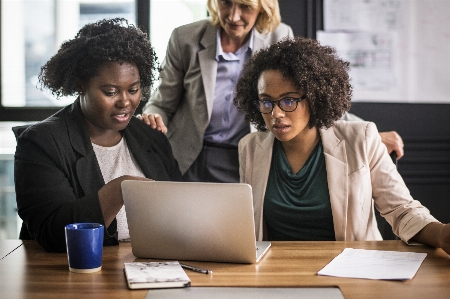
(8, 246)
(30, 272)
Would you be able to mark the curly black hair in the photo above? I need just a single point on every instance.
(96, 43)
(314, 69)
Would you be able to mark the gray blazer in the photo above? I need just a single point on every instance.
(185, 95)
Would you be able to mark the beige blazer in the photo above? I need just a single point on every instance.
(185, 95)
(360, 174)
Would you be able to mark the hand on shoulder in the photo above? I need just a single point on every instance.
(155, 121)
(393, 142)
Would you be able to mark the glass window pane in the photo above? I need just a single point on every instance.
(27, 44)
(166, 15)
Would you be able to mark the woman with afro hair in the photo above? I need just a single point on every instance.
(313, 176)
(68, 168)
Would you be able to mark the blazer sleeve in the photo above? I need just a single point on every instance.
(166, 97)
(290, 33)
(47, 191)
(391, 196)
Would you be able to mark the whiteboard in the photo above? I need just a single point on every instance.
(399, 50)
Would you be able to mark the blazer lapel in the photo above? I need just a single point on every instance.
(87, 168)
(208, 65)
(263, 154)
(337, 175)
(260, 170)
(145, 156)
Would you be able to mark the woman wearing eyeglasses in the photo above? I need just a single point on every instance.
(193, 101)
(315, 177)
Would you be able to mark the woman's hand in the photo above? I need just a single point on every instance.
(393, 142)
(110, 197)
(444, 238)
(154, 121)
(435, 234)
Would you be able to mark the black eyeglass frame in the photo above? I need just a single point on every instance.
(278, 103)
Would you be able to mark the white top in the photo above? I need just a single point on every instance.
(116, 161)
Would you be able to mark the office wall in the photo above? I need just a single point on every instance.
(304, 16)
(397, 49)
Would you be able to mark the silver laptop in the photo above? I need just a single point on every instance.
(192, 221)
(247, 293)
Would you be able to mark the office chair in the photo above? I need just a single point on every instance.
(383, 226)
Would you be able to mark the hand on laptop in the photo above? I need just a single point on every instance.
(110, 197)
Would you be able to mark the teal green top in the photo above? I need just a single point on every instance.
(297, 206)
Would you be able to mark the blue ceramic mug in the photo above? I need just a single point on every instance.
(84, 243)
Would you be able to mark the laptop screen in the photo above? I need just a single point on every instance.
(191, 221)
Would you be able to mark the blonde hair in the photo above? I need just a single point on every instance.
(268, 20)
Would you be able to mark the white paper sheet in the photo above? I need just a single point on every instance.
(374, 264)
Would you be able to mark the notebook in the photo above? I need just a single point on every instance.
(155, 275)
(192, 221)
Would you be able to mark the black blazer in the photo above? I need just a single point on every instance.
(57, 176)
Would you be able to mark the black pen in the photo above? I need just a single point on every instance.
(196, 269)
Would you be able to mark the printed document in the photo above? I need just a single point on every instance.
(374, 264)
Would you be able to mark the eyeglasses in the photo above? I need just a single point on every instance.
(285, 104)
